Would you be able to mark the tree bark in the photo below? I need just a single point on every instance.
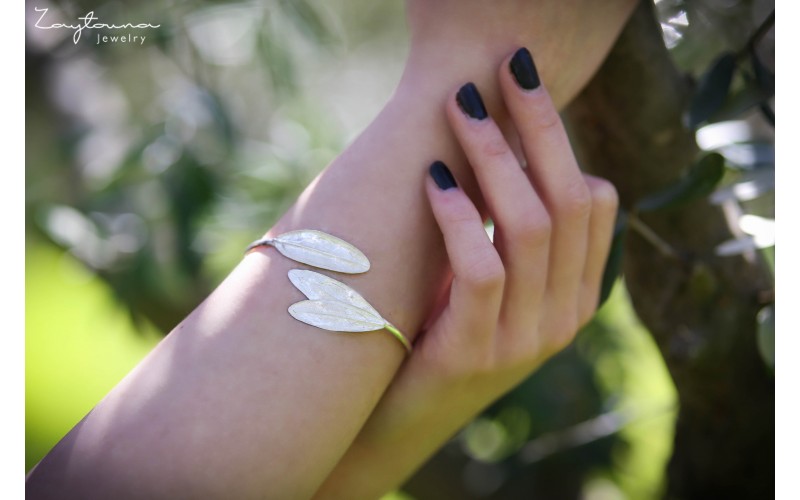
(701, 309)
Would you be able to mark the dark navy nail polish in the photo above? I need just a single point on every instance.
(442, 175)
(524, 70)
(470, 102)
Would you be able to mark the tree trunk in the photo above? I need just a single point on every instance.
(701, 309)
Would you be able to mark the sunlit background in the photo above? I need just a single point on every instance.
(150, 167)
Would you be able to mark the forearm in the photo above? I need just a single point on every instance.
(379, 461)
(241, 400)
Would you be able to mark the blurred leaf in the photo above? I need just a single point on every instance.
(736, 246)
(764, 76)
(278, 63)
(164, 37)
(306, 18)
(702, 284)
(219, 113)
(712, 89)
(153, 292)
(192, 189)
(738, 102)
(750, 156)
(766, 335)
(668, 9)
(614, 262)
(749, 186)
(768, 113)
(699, 181)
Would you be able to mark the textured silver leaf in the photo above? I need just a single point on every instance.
(334, 306)
(316, 286)
(319, 249)
(336, 316)
(327, 299)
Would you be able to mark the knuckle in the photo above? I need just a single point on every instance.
(577, 202)
(531, 230)
(604, 195)
(457, 216)
(527, 350)
(543, 114)
(563, 338)
(485, 273)
(563, 332)
(496, 147)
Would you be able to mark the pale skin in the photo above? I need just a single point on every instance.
(242, 401)
(512, 303)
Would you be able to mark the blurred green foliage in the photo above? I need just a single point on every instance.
(149, 168)
(79, 343)
(597, 419)
(156, 164)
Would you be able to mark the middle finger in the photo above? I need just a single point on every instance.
(523, 225)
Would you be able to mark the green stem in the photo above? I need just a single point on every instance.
(651, 237)
(399, 336)
(762, 30)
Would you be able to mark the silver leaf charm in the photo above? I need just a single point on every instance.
(318, 249)
(336, 316)
(334, 306)
(316, 286)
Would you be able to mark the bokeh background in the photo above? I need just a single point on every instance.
(150, 167)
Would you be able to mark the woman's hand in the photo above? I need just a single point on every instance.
(512, 303)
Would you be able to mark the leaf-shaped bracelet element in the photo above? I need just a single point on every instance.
(334, 306)
(318, 249)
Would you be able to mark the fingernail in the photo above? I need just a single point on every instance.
(442, 175)
(524, 70)
(470, 102)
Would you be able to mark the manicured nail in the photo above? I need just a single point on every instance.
(442, 175)
(524, 70)
(470, 102)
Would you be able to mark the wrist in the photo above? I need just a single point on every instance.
(568, 39)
